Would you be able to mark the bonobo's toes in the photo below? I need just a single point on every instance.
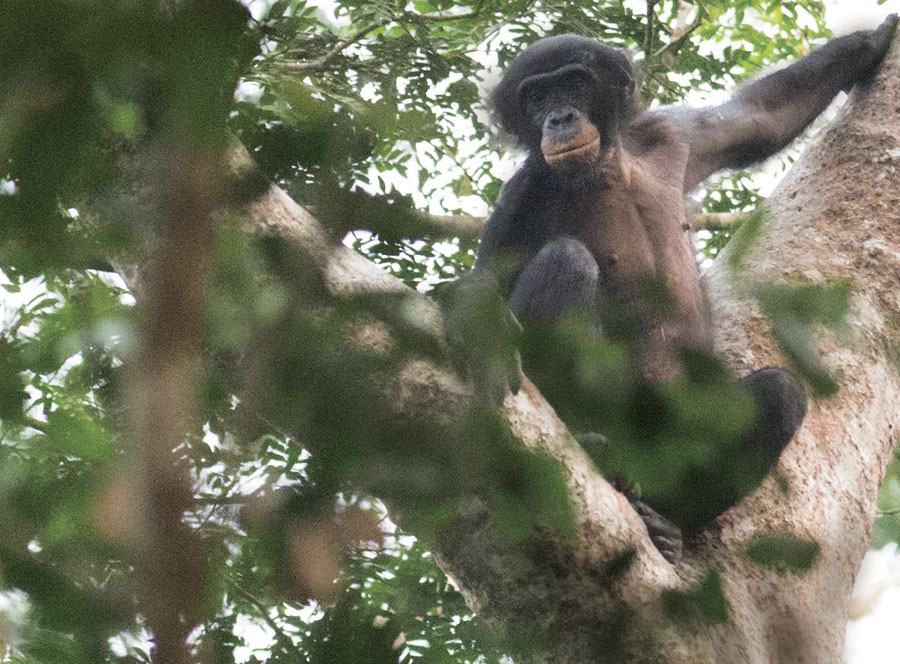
(664, 534)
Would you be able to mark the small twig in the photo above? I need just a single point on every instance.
(672, 48)
(662, 81)
(444, 17)
(449, 153)
(35, 424)
(223, 498)
(263, 610)
(218, 501)
(325, 60)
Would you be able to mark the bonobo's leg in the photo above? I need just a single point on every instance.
(780, 406)
(743, 463)
(555, 300)
(561, 279)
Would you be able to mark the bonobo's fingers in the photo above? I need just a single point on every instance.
(883, 35)
(878, 41)
(664, 534)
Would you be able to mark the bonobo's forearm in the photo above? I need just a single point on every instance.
(812, 82)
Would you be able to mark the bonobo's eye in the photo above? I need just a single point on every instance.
(577, 83)
(535, 97)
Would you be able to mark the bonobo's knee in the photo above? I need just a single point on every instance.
(781, 406)
(562, 278)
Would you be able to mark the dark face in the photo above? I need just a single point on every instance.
(566, 96)
(559, 108)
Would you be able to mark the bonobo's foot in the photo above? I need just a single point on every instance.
(664, 534)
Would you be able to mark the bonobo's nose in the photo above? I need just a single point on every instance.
(561, 118)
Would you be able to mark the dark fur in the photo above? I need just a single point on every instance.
(597, 230)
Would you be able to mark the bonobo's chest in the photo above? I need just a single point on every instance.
(632, 215)
(632, 219)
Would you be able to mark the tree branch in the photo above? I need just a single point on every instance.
(322, 63)
(822, 227)
(438, 226)
(681, 35)
(648, 32)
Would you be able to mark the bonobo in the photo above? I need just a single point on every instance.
(592, 226)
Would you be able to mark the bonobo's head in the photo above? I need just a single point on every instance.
(566, 96)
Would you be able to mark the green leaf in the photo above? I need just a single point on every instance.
(784, 553)
(699, 607)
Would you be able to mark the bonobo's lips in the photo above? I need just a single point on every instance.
(578, 152)
(555, 154)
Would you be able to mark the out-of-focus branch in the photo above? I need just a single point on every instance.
(162, 394)
(437, 226)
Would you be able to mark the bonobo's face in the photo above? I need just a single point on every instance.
(559, 107)
(566, 96)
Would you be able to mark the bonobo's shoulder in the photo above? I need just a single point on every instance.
(524, 181)
(652, 130)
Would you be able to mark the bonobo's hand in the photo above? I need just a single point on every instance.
(882, 37)
(483, 336)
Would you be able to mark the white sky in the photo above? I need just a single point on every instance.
(848, 15)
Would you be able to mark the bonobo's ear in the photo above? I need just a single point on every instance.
(621, 73)
(627, 81)
(612, 67)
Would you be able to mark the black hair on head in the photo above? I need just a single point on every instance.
(549, 54)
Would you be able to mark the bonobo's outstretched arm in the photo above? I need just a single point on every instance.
(769, 113)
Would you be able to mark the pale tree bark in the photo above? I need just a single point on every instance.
(836, 216)
(607, 594)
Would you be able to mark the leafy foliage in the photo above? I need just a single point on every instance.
(699, 606)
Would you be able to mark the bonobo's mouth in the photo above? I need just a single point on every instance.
(558, 154)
